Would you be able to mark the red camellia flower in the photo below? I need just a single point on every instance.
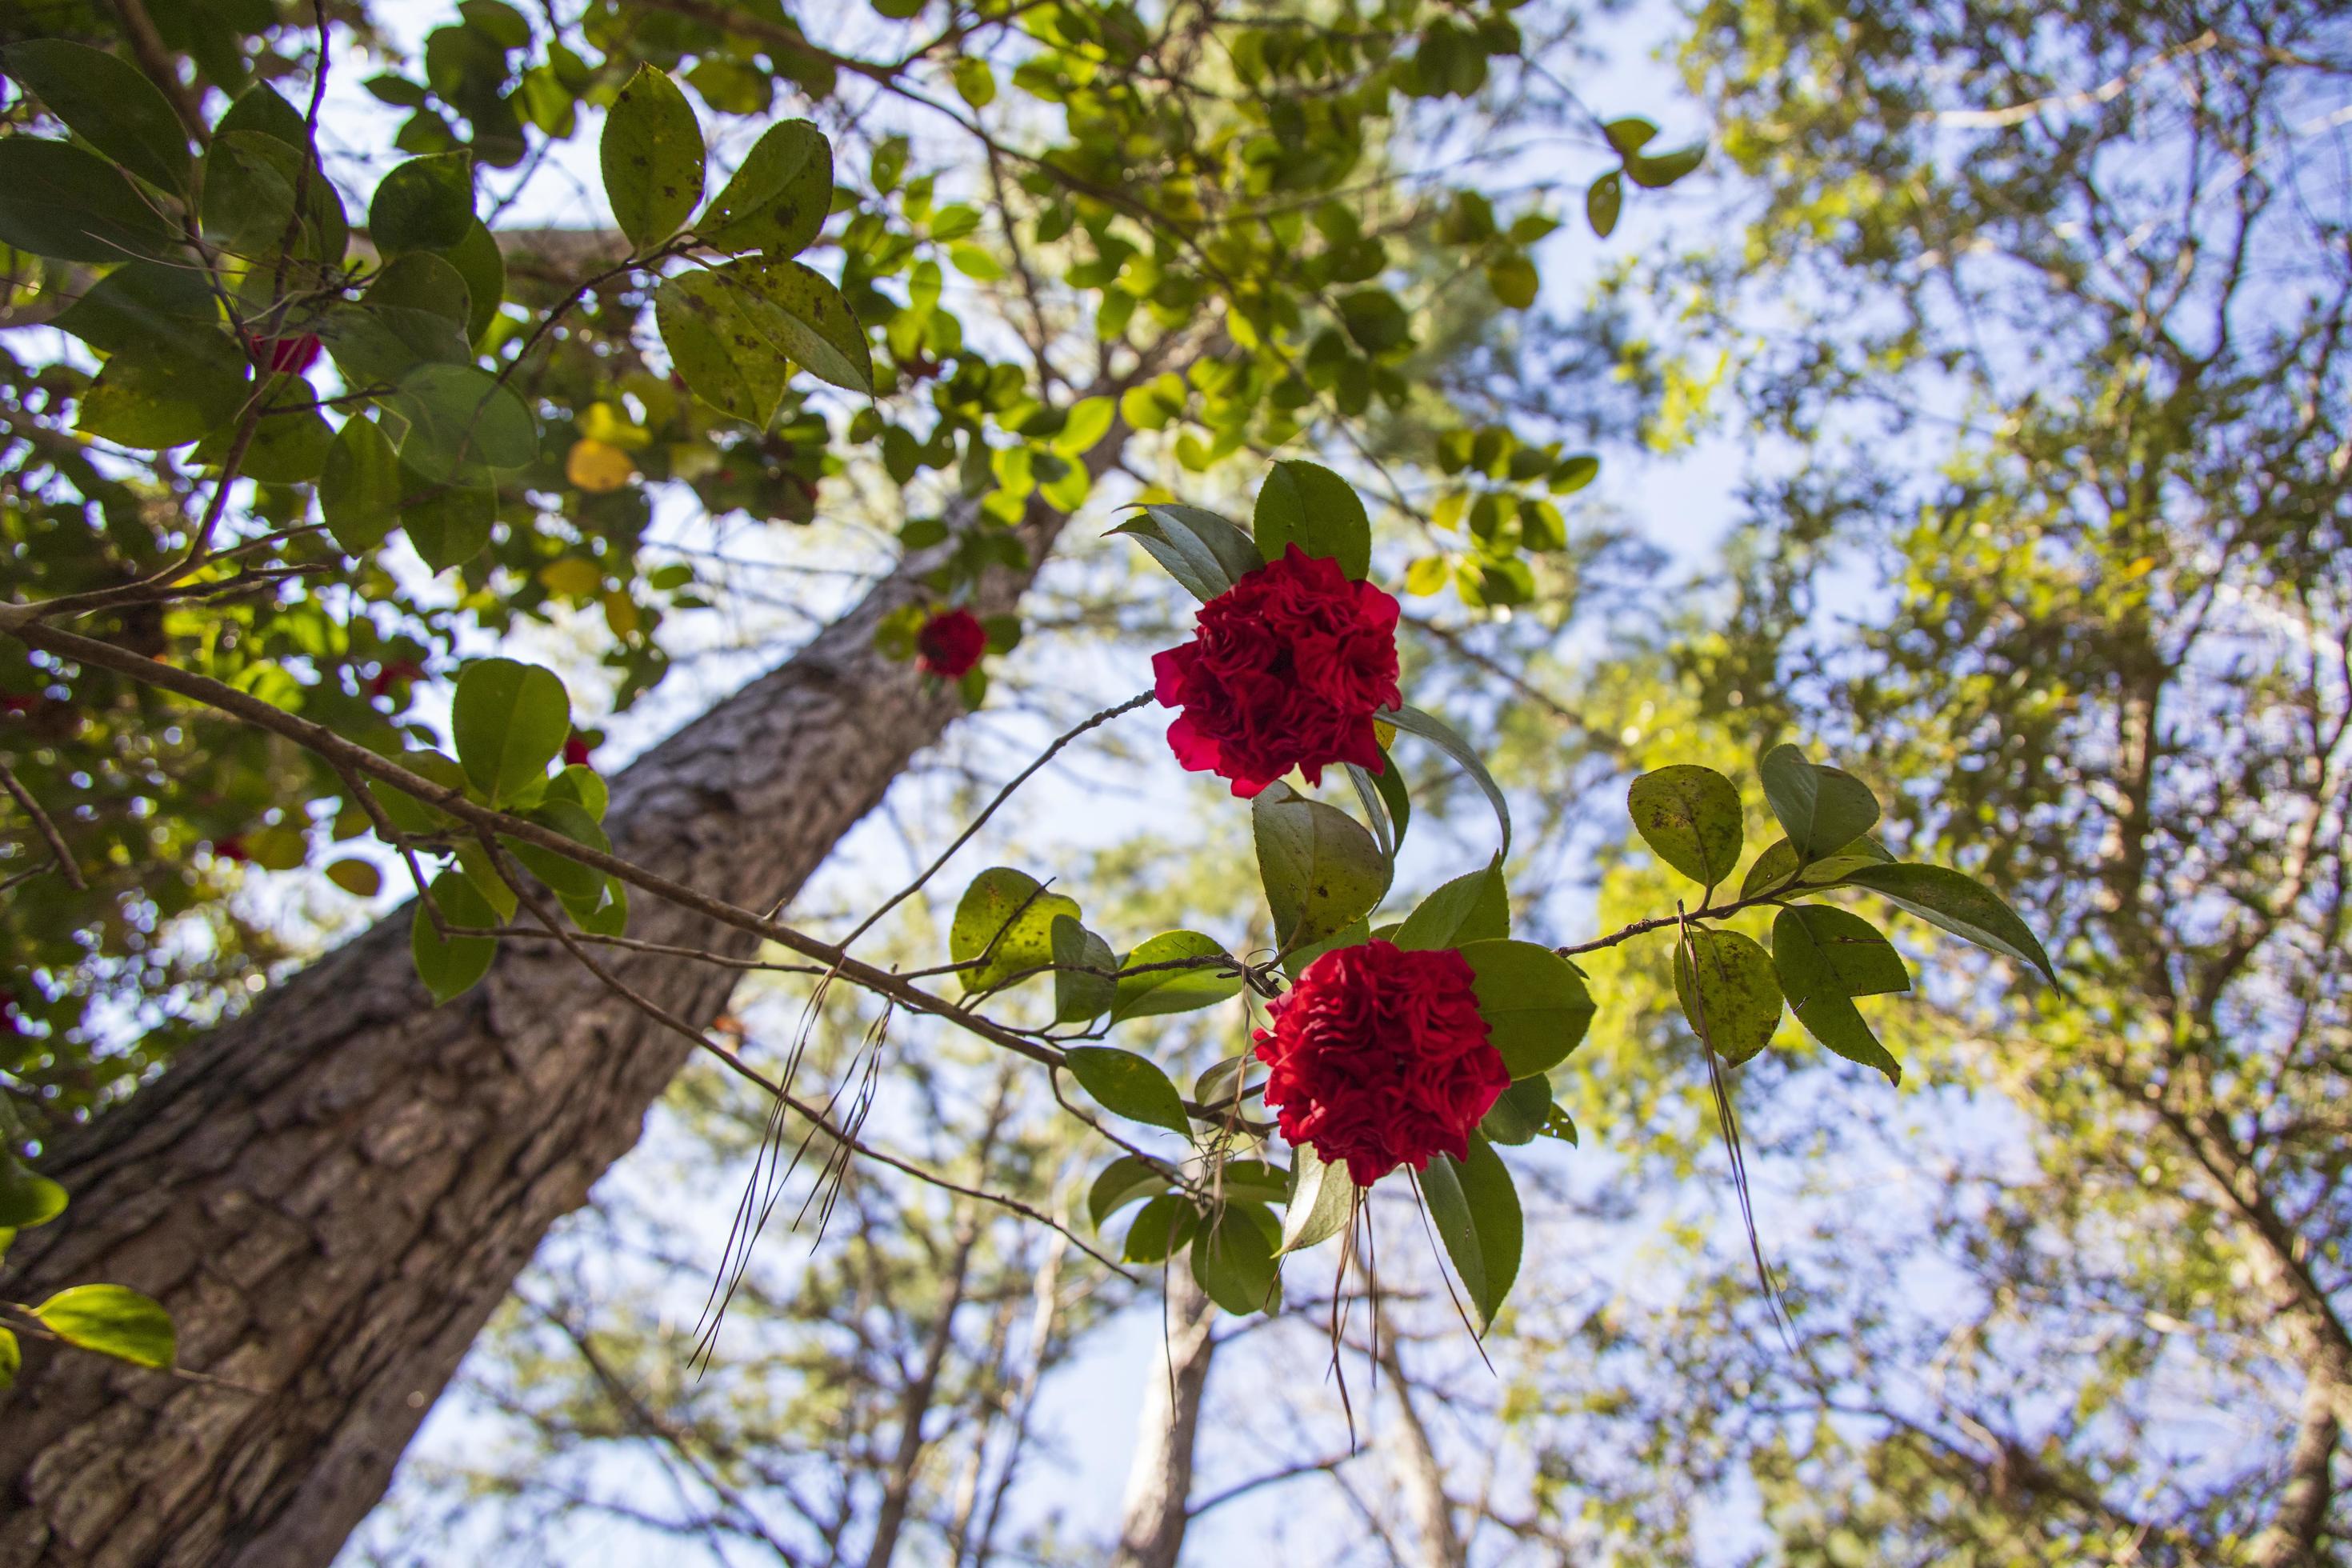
(1287, 672)
(394, 672)
(950, 643)
(295, 354)
(1379, 1058)
(232, 848)
(575, 751)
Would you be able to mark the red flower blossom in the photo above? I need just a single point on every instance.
(575, 751)
(1287, 672)
(950, 643)
(232, 848)
(1379, 1058)
(394, 672)
(291, 354)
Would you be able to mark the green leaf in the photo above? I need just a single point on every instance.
(778, 200)
(1389, 785)
(652, 157)
(160, 398)
(357, 878)
(1161, 1228)
(26, 1197)
(1666, 168)
(112, 1320)
(424, 280)
(584, 784)
(1535, 1004)
(1172, 990)
(714, 346)
(806, 318)
(452, 967)
(509, 721)
(263, 109)
(1809, 977)
(1629, 135)
(1375, 320)
(1007, 915)
(1307, 505)
(248, 193)
(478, 263)
(1206, 553)
(11, 1358)
(107, 103)
(975, 83)
(145, 306)
(1735, 1004)
(1322, 1199)
(359, 489)
(1077, 996)
(449, 524)
(570, 881)
(1430, 728)
(1864, 961)
(1128, 1084)
(1776, 868)
(1355, 933)
(1476, 908)
(1475, 1212)
(1233, 1260)
(289, 444)
(424, 203)
(1252, 1181)
(62, 201)
(1320, 868)
(409, 813)
(1820, 808)
(1513, 279)
(464, 424)
(1690, 818)
(1603, 199)
(1961, 905)
(1519, 1112)
(1123, 1181)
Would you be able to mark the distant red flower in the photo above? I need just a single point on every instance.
(575, 751)
(950, 643)
(294, 354)
(394, 672)
(232, 848)
(18, 702)
(1287, 672)
(1379, 1058)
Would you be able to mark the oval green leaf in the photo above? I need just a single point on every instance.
(509, 721)
(652, 158)
(1535, 1004)
(1690, 818)
(1731, 998)
(1322, 870)
(107, 103)
(1307, 505)
(111, 1320)
(1128, 1084)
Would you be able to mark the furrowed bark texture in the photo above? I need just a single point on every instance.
(332, 1194)
(1159, 1484)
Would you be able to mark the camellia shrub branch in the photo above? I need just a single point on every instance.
(1418, 1043)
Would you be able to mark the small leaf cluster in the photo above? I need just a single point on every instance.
(1822, 956)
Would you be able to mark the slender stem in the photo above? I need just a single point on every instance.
(1047, 755)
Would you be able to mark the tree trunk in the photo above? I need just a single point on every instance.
(332, 1194)
(1420, 1473)
(1159, 1484)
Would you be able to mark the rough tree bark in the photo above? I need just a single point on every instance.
(332, 1194)
(1159, 1483)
